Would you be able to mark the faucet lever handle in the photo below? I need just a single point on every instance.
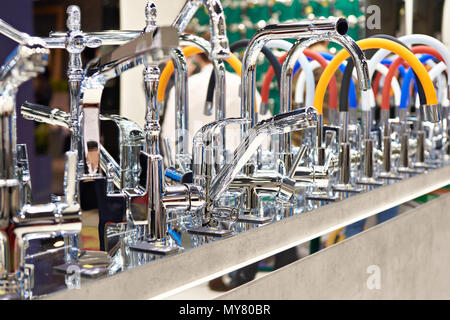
(330, 136)
(231, 214)
(298, 157)
(287, 183)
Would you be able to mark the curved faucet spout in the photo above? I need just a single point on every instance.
(359, 61)
(219, 41)
(286, 122)
(301, 29)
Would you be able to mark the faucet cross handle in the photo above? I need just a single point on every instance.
(76, 40)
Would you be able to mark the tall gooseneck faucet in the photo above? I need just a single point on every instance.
(337, 33)
(300, 29)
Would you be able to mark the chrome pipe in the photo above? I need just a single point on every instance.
(300, 29)
(131, 139)
(95, 38)
(181, 109)
(25, 63)
(386, 170)
(9, 31)
(386, 154)
(219, 89)
(23, 174)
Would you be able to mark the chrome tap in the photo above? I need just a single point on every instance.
(331, 30)
(27, 60)
(35, 222)
(27, 222)
(150, 204)
(131, 138)
(75, 41)
(203, 168)
(404, 165)
(151, 48)
(218, 51)
(426, 114)
(335, 30)
(229, 176)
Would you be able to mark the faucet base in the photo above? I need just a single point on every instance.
(369, 181)
(211, 231)
(251, 218)
(408, 170)
(347, 188)
(389, 176)
(321, 196)
(154, 247)
(423, 165)
(94, 258)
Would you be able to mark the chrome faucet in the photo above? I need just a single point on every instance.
(151, 202)
(151, 48)
(131, 141)
(27, 60)
(61, 218)
(219, 50)
(331, 30)
(219, 90)
(229, 176)
(300, 29)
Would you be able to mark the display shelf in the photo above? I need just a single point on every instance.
(168, 276)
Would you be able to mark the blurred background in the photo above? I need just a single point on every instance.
(47, 144)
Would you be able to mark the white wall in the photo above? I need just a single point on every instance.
(446, 24)
(132, 17)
